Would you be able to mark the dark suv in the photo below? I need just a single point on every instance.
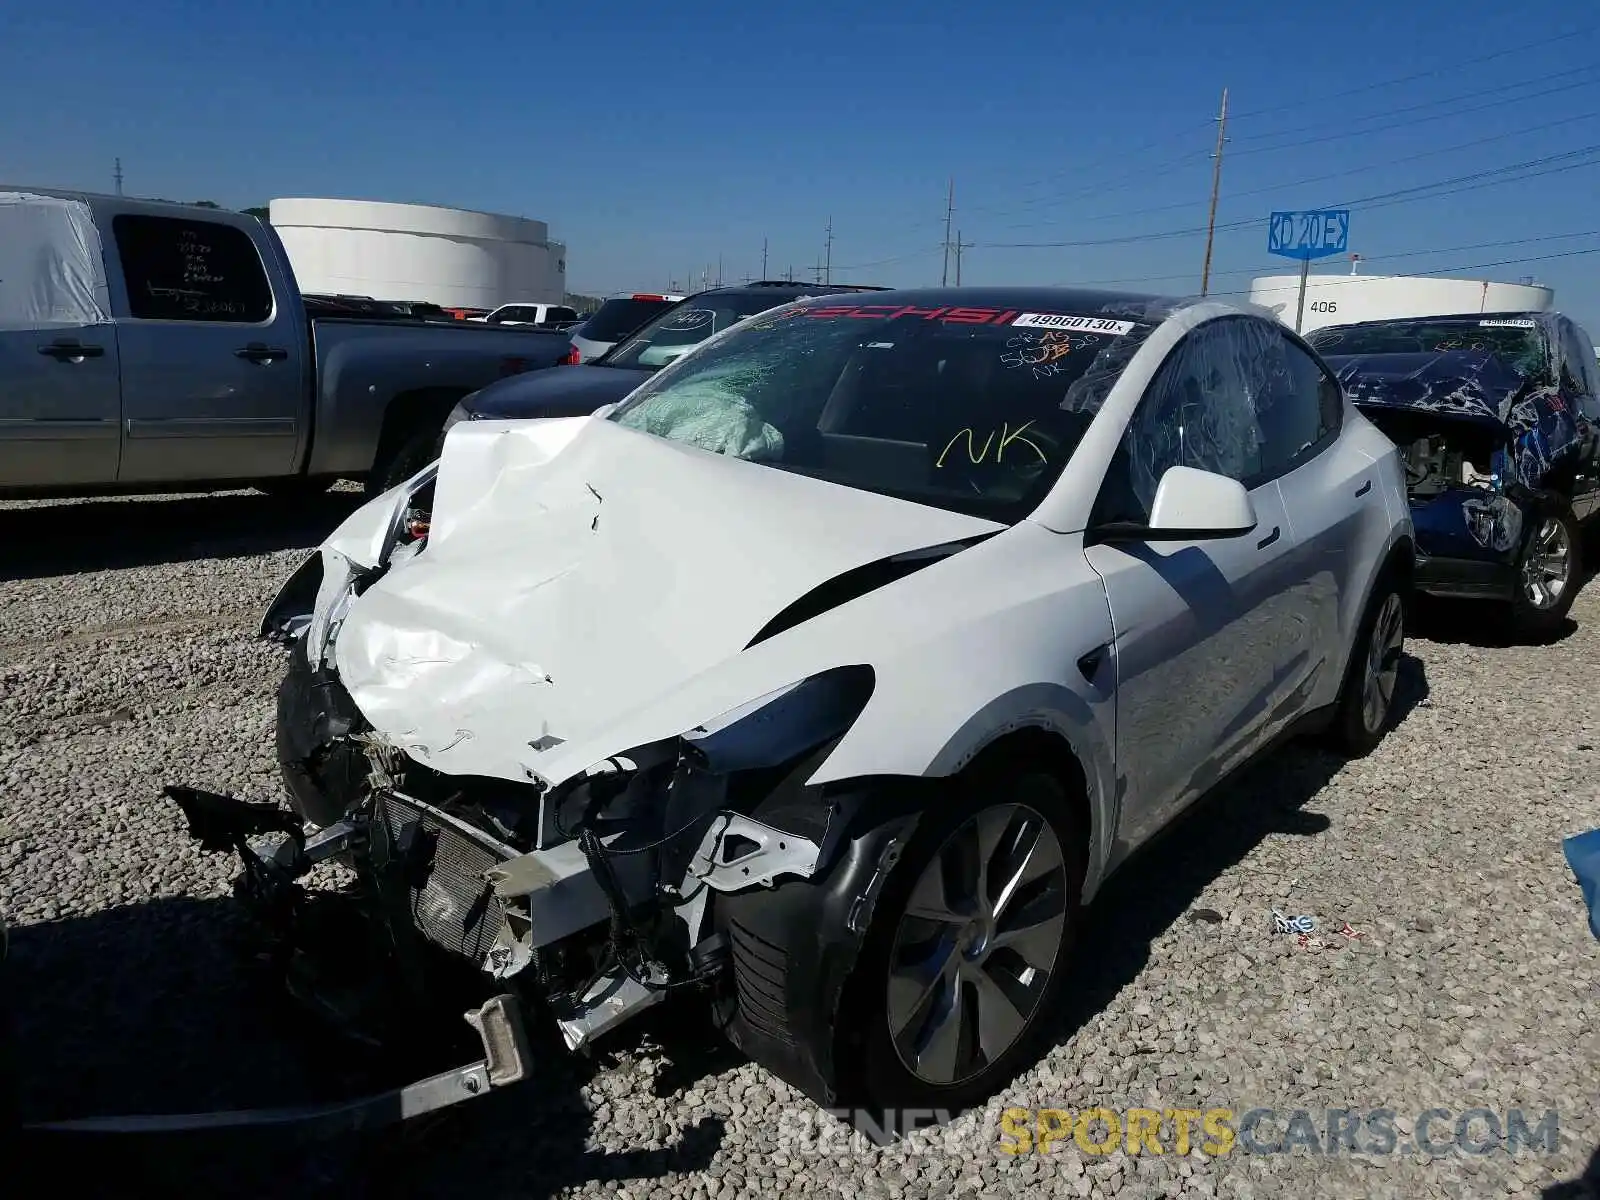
(574, 391)
(1497, 417)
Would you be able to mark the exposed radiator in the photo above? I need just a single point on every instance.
(452, 904)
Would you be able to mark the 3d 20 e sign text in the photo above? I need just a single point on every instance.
(1316, 233)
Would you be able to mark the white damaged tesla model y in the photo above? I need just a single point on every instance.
(829, 675)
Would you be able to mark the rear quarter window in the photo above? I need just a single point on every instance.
(615, 319)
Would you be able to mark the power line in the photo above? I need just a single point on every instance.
(1379, 200)
(1347, 133)
(1161, 170)
(1455, 65)
(1189, 130)
(898, 258)
(1278, 187)
(1475, 94)
(1278, 266)
(1342, 280)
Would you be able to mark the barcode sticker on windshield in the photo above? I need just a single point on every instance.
(1073, 324)
(1522, 323)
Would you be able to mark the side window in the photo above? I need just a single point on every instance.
(178, 270)
(1300, 408)
(1579, 371)
(1591, 364)
(1198, 411)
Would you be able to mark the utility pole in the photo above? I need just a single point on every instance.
(719, 270)
(117, 175)
(763, 258)
(949, 208)
(959, 247)
(790, 275)
(1216, 186)
(827, 262)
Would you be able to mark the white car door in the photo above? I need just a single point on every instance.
(1331, 492)
(1201, 627)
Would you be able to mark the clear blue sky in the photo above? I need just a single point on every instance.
(655, 137)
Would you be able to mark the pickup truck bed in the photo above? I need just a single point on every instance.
(146, 346)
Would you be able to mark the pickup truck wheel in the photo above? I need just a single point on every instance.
(966, 958)
(1548, 575)
(412, 454)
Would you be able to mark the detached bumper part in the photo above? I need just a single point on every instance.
(505, 1062)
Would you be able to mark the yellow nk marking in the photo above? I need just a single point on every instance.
(1007, 437)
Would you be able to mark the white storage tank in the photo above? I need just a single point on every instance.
(1344, 299)
(447, 256)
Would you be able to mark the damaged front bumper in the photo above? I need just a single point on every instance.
(505, 1062)
(1471, 541)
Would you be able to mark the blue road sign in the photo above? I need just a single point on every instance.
(1317, 233)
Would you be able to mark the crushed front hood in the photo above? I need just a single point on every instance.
(1469, 385)
(578, 571)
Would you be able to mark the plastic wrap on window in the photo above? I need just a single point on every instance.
(1205, 408)
(1088, 392)
(51, 270)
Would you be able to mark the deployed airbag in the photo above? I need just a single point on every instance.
(711, 413)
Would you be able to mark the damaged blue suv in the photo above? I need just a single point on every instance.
(1497, 416)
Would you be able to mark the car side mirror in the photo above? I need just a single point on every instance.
(1191, 505)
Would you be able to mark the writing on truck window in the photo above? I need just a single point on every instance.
(178, 270)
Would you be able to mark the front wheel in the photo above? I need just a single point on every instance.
(413, 453)
(965, 961)
(1547, 577)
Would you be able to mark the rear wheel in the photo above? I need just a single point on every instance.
(964, 963)
(1547, 577)
(1366, 702)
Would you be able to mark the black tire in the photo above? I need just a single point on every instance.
(410, 455)
(885, 1081)
(1536, 612)
(1357, 728)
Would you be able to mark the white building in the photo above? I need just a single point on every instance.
(447, 256)
(1342, 299)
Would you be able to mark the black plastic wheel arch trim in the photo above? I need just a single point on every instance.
(795, 946)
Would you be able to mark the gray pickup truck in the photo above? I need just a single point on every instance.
(147, 346)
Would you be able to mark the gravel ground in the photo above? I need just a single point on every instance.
(127, 662)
